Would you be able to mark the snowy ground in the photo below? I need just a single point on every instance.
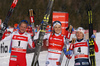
(4, 61)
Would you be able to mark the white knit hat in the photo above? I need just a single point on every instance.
(80, 29)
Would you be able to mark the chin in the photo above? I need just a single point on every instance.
(57, 32)
(22, 32)
(78, 38)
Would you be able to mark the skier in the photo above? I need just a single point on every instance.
(56, 44)
(80, 49)
(20, 39)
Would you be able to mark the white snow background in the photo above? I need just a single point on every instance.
(4, 61)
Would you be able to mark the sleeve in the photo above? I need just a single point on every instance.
(31, 43)
(71, 46)
(46, 36)
(96, 47)
(68, 34)
(7, 38)
(3, 35)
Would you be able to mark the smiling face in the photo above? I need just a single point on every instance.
(79, 35)
(22, 27)
(57, 29)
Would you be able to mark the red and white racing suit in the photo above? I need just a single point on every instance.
(19, 46)
(81, 52)
(56, 44)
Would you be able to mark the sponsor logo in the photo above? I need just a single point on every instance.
(77, 64)
(85, 63)
(80, 44)
(57, 39)
(53, 44)
(3, 48)
(13, 59)
(53, 58)
(57, 16)
(20, 37)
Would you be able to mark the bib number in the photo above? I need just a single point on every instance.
(19, 43)
(79, 50)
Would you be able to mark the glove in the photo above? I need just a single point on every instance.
(42, 22)
(93, 36)
(67, 52)
(70, 28)
(4, 26)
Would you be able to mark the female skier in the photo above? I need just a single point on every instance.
(56, 44)
(80, 49)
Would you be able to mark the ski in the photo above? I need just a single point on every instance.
(42, 33)
(91, 40)
(31, 12)
(4, 24)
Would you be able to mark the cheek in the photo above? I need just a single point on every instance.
(82, 35)
(77, 35)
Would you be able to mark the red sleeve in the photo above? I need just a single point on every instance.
(33, 45)
(71, 47)
(3, 35)
(96, 47)
(68, 34)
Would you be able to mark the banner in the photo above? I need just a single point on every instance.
(4, 48)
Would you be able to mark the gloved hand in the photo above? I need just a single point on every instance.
(70, 28)
(93, 36)
(4, 26)
(67, 52)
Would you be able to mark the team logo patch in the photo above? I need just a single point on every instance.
(47, 62)
(77, 64)
(85, 63)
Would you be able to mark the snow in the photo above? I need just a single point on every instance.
(4, 61)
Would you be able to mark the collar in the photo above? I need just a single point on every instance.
(20, 32)
(58, 34)
(79, 40)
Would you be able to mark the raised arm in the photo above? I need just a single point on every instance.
(46, 36)
(7, 38)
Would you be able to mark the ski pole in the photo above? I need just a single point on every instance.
(67, 61)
